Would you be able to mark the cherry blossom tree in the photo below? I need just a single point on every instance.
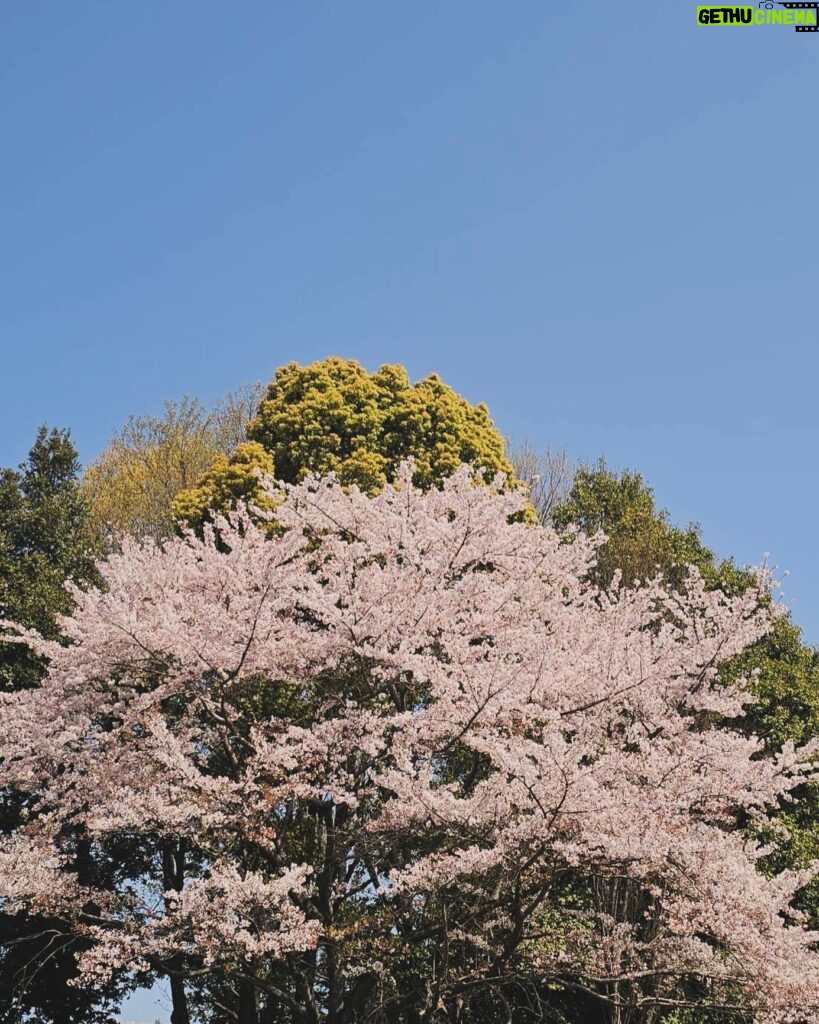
(400, 759)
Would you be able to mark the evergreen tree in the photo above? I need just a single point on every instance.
(45, 539)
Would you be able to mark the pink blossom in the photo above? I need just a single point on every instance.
(409, 715)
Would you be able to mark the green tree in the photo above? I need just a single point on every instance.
(45, 539)
(786, 682)
(641, 540)
(333, 416)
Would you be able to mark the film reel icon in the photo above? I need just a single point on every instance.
(798, 7)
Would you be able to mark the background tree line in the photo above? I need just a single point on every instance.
(56, 520)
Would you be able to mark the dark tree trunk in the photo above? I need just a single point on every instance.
(248, 1014)
(173, 878)
(179, 1001)
(268, 1013)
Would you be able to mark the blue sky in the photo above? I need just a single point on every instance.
(599, 218)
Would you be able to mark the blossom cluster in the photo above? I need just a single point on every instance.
(403, 720)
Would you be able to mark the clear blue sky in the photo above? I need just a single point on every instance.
(599, 218)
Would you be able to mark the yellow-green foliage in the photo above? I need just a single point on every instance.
(230, 479)
(333, 416)
(131, 485)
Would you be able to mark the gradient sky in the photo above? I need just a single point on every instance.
(599, 218)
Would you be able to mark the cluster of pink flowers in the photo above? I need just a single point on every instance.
(401, 716)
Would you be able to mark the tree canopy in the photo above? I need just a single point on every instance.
(334, 416)
(393, 756)
(395, 742)
(640, 539)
